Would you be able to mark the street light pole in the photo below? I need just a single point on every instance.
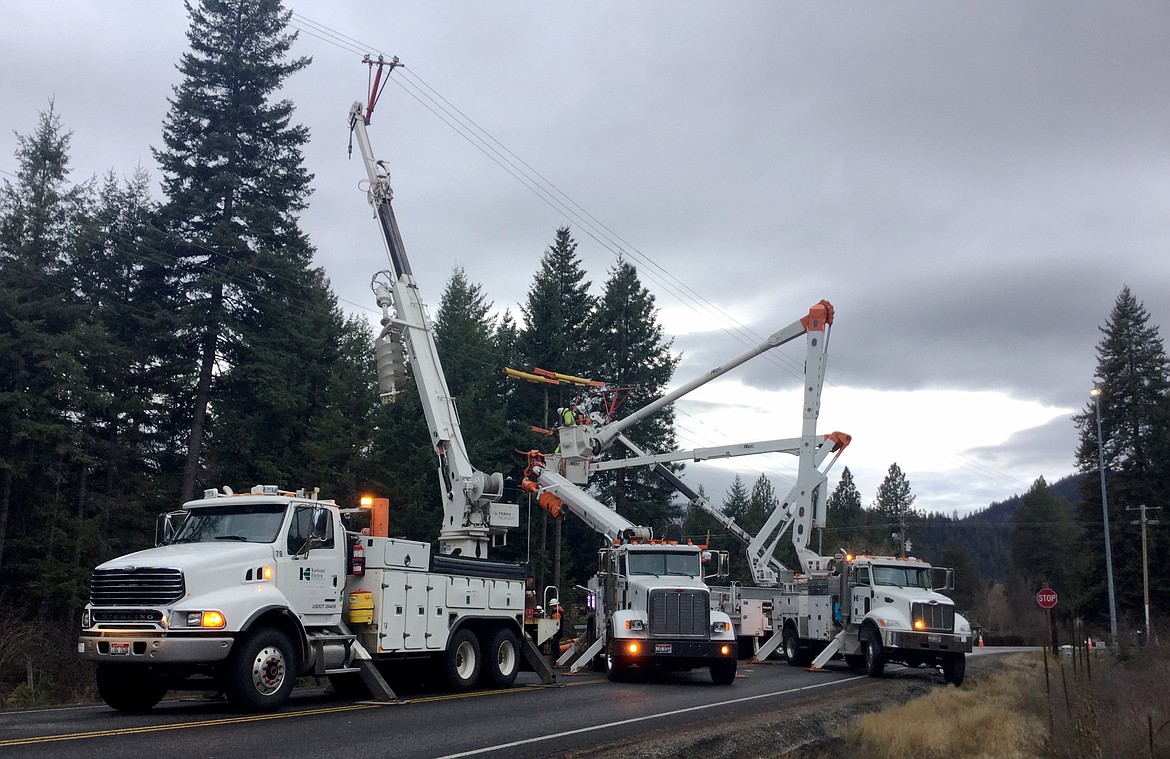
(1096, 393)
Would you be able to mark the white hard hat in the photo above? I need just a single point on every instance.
(555, 602)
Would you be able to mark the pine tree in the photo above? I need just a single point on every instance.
(43, 379)
(1132, 377)
(234, 179)
(555, 312)
(736, 502)
(970, 592)
(1044, 544)
(761, 504)
(893, 505)
(632, 352)
(845, 515)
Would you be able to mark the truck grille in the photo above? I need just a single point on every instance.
(937, 617)
(682, 613)
(139, 586)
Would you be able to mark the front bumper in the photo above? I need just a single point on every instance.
(671, 653)
(929, 641)
(153, 648)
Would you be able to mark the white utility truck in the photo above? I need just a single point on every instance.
(650, 607)
(871, 609)
(247, 592)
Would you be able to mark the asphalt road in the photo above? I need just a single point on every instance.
(528, 720)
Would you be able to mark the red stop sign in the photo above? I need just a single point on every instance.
(1046, 598)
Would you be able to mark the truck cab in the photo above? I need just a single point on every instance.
(895, 613)
(233, 573)
(655, 606)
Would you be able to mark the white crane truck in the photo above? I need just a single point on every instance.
(871, 609)
(246, 592)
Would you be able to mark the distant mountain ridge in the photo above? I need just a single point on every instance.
(986, 534)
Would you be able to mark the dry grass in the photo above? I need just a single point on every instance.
(1098, 706)
(998, 717)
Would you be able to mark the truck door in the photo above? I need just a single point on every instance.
(312, 576)
(860, 592)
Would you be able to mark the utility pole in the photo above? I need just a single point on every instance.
(1143, 521)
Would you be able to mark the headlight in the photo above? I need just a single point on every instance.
(919, 624)
(210, 619)
(85, 620)
(720, 627)
(635, 625)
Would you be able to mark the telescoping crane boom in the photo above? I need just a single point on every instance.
(472, 510)
(804, 506)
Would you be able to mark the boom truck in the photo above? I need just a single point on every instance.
(870, 609)
(245, 592)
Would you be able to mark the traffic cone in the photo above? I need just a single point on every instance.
(980, 643)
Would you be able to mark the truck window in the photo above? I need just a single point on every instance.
(300, 528)
(664, 563)
(902, 577)
(250, 523)
(862, 576)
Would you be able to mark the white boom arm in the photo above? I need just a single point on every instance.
(804, 506)
(593, 512)
(468, 494)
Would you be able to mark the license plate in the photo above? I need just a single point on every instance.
(119, 649)
(934, 638)
(663, 648)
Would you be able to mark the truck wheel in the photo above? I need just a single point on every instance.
(723, 672)
(501, 659)
(131, 688)
(954, 669)
(463, 660)
(875, 654)
(792, 648)
(261, 672)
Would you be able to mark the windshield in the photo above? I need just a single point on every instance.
(902, 577)
(664, 563)
(245, 523)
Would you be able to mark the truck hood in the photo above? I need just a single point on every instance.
(652, 582)
(191, 557)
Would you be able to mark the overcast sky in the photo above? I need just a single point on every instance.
(970, 184)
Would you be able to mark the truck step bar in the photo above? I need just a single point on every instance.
(537, 661)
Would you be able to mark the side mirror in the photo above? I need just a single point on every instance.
(720, 565)
(166, 525)
(318, 530)
(942, 578)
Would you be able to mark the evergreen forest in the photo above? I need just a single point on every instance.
(153, 345)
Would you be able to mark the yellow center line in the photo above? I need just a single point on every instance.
(261, 717)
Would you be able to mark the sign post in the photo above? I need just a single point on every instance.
(1046, 598)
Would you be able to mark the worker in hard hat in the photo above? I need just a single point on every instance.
(557, 612)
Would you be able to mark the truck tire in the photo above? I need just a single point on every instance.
(501, 659)
(723, 672)
(954, 669)
(792, 648)
(261, 671)
(875, 654)
(463, 661)
(130, 688)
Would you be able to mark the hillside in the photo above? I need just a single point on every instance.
(986, 534)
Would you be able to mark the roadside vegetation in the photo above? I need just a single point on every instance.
(1090, 703)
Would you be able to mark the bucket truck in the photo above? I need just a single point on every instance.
(871, 609)
(244, 593)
